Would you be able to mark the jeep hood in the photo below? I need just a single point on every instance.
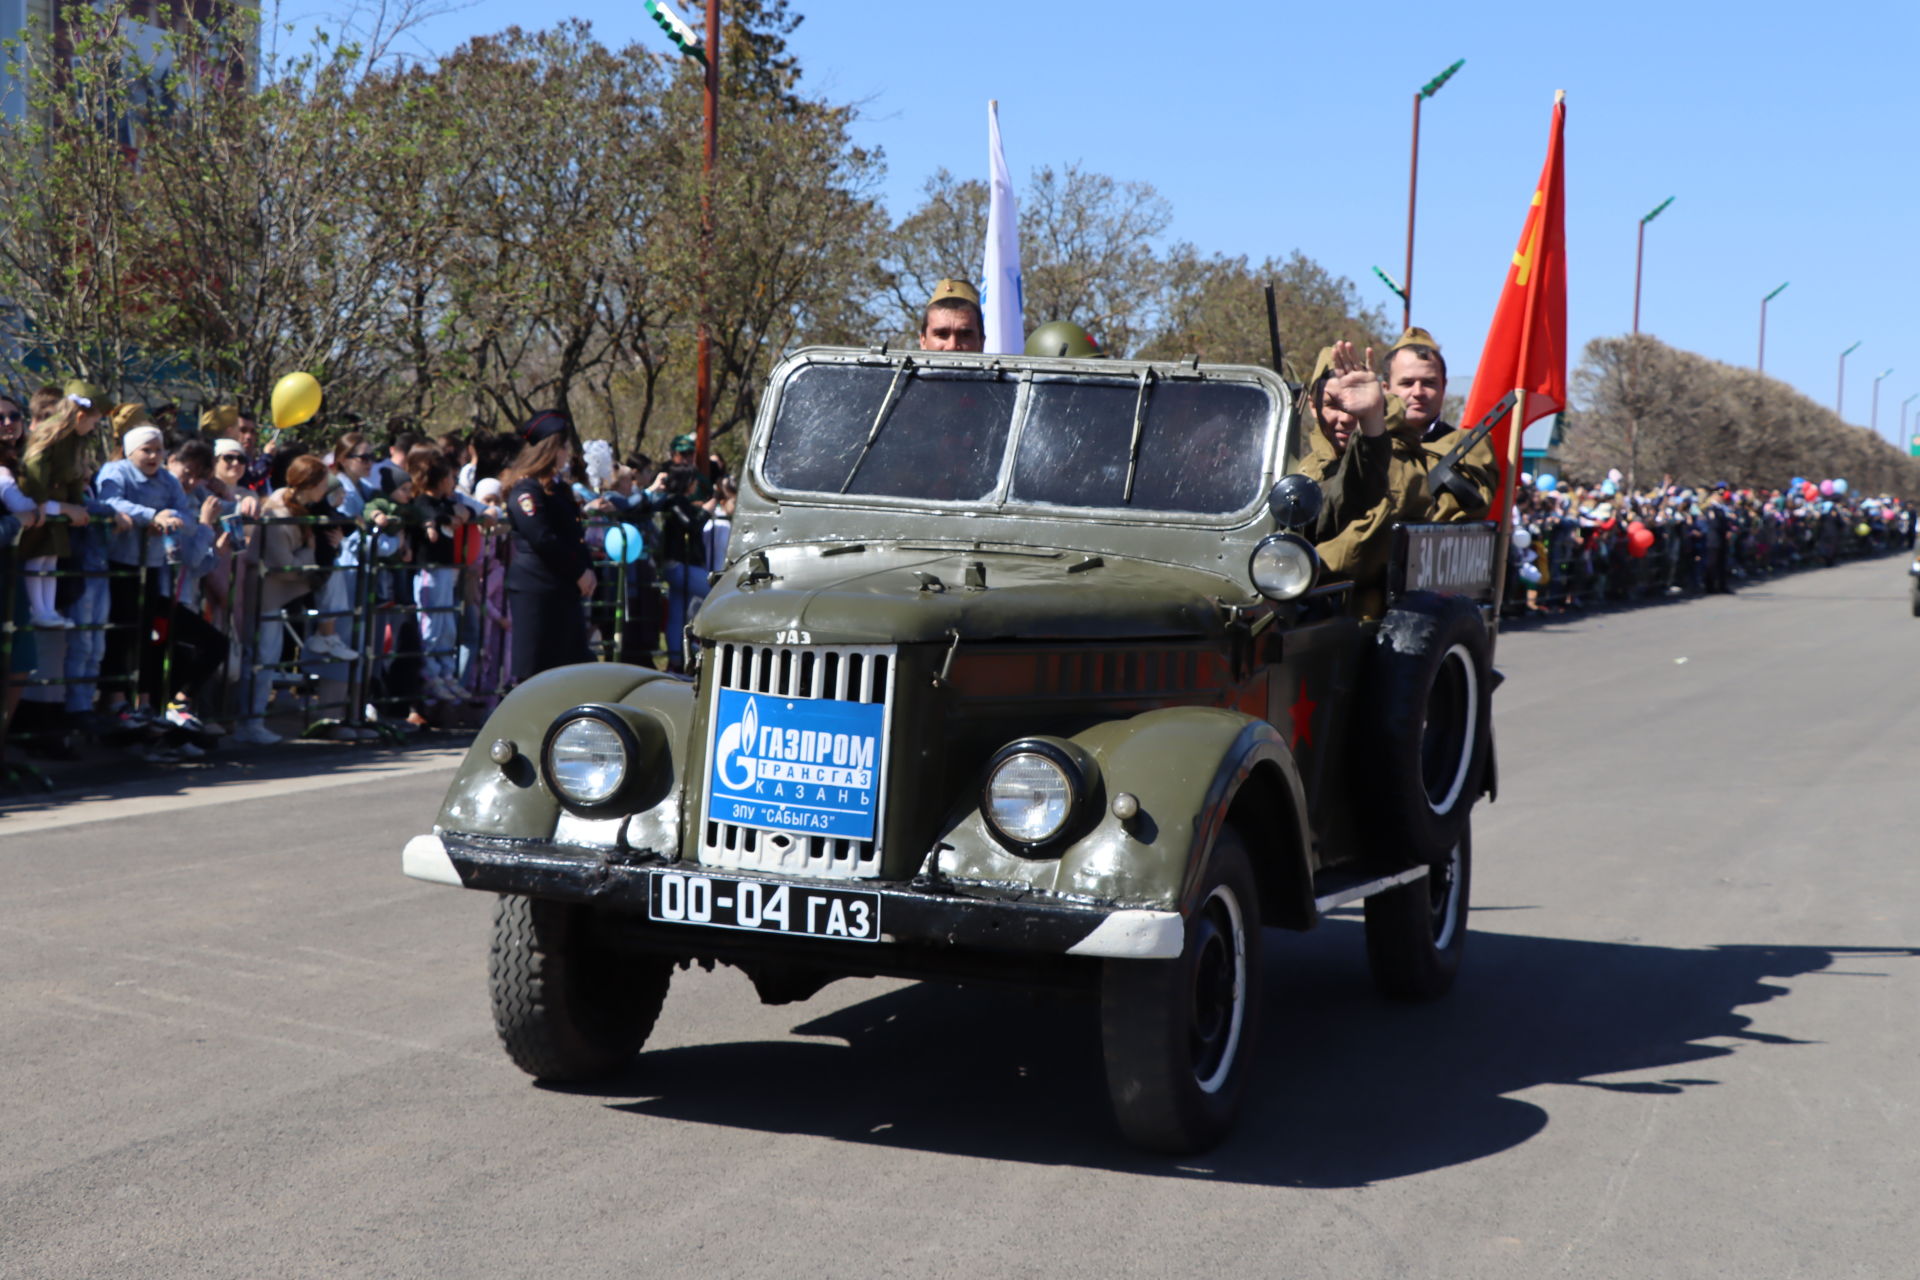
(855, 594)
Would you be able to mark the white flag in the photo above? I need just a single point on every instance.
(1000, 276)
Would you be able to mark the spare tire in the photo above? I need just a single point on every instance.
(1429, 695)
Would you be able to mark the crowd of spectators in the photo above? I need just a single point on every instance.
(162, 579)
(1575, 546)
(171, 587)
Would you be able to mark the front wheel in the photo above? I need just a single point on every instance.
(1417, 932)
(1178, 1035)
(565, 1008)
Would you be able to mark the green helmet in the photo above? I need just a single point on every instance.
(1062, 338)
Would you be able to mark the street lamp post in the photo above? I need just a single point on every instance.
(1639, 258)
(1903, 415)
(1763, 323)
(1427, 90)
(1875, 418)
(1840, 396)
(1633, 350)
(707, 53)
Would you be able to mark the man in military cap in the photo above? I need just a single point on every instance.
(952, 320)
(683, 472)
(1373, 464)
(1417, 373)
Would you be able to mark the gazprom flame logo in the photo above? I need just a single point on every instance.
(736, 746)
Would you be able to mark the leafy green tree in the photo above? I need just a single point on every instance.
(75, 215)
(1215, 307)
(943, 237)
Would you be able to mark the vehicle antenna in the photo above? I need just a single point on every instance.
(1273, 333)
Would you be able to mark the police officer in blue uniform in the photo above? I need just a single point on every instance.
(550, 572)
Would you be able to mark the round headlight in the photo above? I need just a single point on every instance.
(1283, 567)
(1029, 797)
(586, 761)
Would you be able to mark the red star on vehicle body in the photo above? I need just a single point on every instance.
(1302, 712)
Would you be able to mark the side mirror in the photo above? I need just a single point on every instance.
(1295, 502)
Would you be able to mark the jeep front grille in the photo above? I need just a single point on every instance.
(848, 673)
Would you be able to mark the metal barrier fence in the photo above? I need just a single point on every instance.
(357, 643)
(360, 642)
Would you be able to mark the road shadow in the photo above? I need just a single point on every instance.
(1350, 1089)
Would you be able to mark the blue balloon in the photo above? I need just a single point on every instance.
(1839, 486)
(1608, 488)
(1546, 484)
(624, 544)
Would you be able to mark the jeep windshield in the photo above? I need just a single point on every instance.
(1138, 441)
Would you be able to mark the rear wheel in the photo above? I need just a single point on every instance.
(565, 1008)
(1417, 932)
(1178, 1035)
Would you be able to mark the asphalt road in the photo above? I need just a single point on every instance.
(234, 1041)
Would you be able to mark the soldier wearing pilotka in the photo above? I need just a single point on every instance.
(1417, 373)
(1373, 463)
(952, 320)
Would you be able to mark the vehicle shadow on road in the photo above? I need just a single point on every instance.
(1349, 1089)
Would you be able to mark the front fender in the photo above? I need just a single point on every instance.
(513, 802)
(1187, 767)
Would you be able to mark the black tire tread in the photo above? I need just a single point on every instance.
(1149, 1080)
(1401, 955)
(565, 1010)
(1402, 827)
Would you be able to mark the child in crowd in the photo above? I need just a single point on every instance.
(18, 513)
(287, 554)
(437, 517)
(89, 608)
(54, 474)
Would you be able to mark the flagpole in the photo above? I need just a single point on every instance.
(1508, 488)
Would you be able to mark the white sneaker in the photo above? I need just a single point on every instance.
(253, 733)
(50, 621)
(330, 647)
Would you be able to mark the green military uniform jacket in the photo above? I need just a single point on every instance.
(57, 474)
(1378, 482)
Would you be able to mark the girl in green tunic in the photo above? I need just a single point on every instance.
(54, 473)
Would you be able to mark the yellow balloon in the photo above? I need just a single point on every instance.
(296, 398)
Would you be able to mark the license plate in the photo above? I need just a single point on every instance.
(677, 897)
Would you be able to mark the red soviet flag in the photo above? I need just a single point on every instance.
(1526, 349)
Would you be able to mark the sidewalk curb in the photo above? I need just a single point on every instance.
(105, 768)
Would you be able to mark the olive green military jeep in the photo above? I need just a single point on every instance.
(1018, 671)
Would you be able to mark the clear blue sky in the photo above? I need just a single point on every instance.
(1784, 130)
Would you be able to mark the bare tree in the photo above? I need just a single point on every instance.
(1679, 414)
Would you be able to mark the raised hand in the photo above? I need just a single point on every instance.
(1354, 389)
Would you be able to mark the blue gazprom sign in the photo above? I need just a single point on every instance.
(810, 766)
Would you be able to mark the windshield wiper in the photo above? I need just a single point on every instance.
(1139, 421)
(880, 418)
